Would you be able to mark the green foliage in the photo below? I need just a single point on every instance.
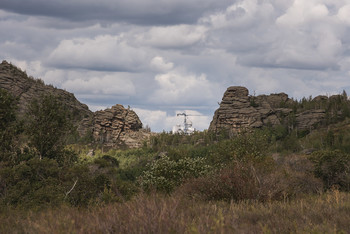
(333, 167)
(97, 182)
(261, 180)
(290, 143)
(211, 166)
(8, 127)
(163, 141)
(32, 184)
(89, 184)
(245, 146)
(106, 161)
(165, 174)
(48, 125)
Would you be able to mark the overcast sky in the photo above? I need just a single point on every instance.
(162, 57)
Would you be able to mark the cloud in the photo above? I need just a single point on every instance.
(108, 84)
(174, 37)
(303, 11)
(344, 13)
(158, 64)
(165, 56)
(133, 11)
(300, 35)
(180, 87)
(240, 15)
(105, 52)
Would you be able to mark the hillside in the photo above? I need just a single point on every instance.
(26, 88)
(114, 127)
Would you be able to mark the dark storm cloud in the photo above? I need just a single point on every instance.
(133, 11)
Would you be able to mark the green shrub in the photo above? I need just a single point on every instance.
(333, 167)
(247, 180)
(165, 174)
(107, 161)
(246, 146)
(32, 184)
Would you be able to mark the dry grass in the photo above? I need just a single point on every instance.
(326, 213)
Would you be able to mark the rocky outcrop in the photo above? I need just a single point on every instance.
(240, 111)
(112, 127)
(115, 127)
(308, 120)
(27, 88)
(118, 126)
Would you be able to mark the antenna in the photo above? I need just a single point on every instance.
(187, 124)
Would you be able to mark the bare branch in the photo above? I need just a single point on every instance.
(75, 183)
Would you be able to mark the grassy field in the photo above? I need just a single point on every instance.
(325, 213)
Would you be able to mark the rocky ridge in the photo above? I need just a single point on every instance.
(27, 88)
(238, 110)
(112, 127)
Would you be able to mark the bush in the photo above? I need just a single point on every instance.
(333, 167)
(236, 182)
(165, 174)
(32, 184)
(246, 146)
(263, 181)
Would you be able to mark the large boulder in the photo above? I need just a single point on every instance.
(239, 111)
(118, 126)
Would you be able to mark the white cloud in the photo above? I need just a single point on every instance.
(103, 52)
(179, 87)
(344, 14)
(240, 15)
(157, 119)
(302, 11)
(174, 37)
(111, 84)
(32, 68)
(159, 64)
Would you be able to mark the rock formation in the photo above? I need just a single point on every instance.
(113, 127)
(27, 88)
(239, 111)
